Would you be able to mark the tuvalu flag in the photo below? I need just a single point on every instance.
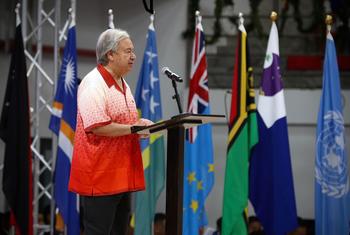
(243, 135)
(332, 197)
(15, 132)
(198, 157)
(63, 123)
(271, 189)
(148, 102)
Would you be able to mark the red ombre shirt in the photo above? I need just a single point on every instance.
(105, 165)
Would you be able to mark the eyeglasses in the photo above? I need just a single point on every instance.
(127, 51)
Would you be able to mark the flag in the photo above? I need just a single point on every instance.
(198, 158)
(15, 132)
(271, 189)
(148, 102)
(332, 201)
(241, 139)
(62, 123)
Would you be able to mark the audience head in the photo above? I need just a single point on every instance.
(254, 225)
(218, 224)
(159, 224)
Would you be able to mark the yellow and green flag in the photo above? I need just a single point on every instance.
(243, 135)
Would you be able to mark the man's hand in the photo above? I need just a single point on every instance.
(144, 122)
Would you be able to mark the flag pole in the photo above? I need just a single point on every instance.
(18, 19)
(240, 18)
(198, 17)
(65, 27)
(241, 22)
(110, 19)
(273, 16)
(329, 22)
(151, 18)
(198, 20)
(73, 4)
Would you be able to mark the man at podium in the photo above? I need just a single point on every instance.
(107, 162)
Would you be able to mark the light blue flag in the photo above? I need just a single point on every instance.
(271, 188)
(62, 123)
(148, 102)
(332, 201)
(198, 162)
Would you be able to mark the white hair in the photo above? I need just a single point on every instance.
(109, 41)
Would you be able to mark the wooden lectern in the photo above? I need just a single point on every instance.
(176, 127)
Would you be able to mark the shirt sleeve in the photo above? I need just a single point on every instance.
(92, 105)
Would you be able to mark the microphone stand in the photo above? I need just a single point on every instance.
(176, 96)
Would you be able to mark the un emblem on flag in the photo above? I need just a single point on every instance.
(331, 165)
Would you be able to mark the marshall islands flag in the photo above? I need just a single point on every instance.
(62, 123)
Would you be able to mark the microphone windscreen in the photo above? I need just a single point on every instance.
(164, 69)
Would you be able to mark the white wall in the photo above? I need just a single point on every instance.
(302, 108)
(170, 22)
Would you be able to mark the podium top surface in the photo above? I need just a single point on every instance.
(186, 119)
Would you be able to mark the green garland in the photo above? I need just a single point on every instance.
(255, 19)
(194, 6)
(318, 14)
(219, 5)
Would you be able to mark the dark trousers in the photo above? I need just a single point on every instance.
(106, 215)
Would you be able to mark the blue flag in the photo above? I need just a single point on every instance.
(332, 201)
(271, 189)
(148, 102)
(62, 123)
(199, 164)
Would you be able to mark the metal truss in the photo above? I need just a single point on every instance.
(43, 78)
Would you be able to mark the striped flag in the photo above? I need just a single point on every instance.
(242, 137)
(148, 102)
(271, 189)
(332, 197)
(198, 158)
(62, 123)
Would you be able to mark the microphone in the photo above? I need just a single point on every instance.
(171, 75)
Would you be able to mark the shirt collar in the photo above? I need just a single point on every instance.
(109, 80)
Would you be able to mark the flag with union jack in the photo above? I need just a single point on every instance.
(199, 164)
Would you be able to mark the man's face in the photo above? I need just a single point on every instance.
(123, 59)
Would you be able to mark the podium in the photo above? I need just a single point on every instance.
(175, 127)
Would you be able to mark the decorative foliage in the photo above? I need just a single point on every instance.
(194, 6)
(340, 8)
(255, 20)
(318, 14)
(217, 29)
(219, 4)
